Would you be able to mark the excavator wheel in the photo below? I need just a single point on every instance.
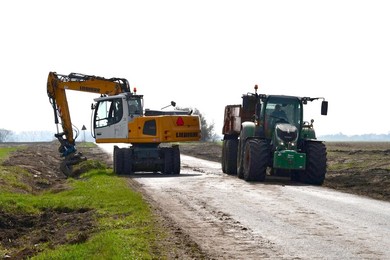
(168, 160)
(171, 160)
(127, 161)
(176, 160)
(118, 160)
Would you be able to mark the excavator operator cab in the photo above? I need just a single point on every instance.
(113, 113)
(135, 105)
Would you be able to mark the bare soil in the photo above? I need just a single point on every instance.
(359, 168)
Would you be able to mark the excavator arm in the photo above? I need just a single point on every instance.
(57, 85)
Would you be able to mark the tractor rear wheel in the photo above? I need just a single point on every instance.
(255, 160)
(315, 164)
(231, 156)
(240, 159)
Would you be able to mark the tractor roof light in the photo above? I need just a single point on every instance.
(135, 90)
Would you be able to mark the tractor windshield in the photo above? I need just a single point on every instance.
(280, 109)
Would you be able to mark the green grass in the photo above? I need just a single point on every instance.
(5, 151)
(125, 221)
(11, 176)
(125, 226)
(85, 144)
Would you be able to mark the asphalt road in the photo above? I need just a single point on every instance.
(232, 219)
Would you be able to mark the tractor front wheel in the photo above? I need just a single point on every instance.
(256, 158)
(315, 164)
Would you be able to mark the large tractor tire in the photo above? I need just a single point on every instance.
(223, 159)
(118, 158)
(315, 164)
(231, 156)
(256, 157)
(240, 159)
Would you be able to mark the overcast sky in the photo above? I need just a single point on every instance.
(202, 54)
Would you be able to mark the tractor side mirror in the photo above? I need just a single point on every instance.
(324, 108)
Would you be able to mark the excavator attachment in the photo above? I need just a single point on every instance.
(69, 153)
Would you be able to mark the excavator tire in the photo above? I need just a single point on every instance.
(127, 160)
(231, 156)
(118, 164)
(315, 164)
(168, 160)
(256, 158)
(176, 160)
(171, 160)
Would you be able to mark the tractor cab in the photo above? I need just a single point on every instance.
(281, 112)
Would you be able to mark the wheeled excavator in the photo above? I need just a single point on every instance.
(119, 117)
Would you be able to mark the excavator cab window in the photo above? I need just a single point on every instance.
(135, 106)
(108, 112)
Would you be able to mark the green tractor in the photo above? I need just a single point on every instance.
(266, 135)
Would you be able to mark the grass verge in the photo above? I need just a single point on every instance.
(120, 223)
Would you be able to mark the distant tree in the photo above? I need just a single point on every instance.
(4, 135)
(207, 130)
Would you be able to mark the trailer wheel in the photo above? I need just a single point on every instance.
(127, 161)
(256, 158)
(176, 160)
(223, 159)
(315, 164)
(231, 156)
(118, 160)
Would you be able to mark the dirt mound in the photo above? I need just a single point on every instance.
(23, 234)
(38, 166)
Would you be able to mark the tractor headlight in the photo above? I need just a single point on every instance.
(286, 135)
